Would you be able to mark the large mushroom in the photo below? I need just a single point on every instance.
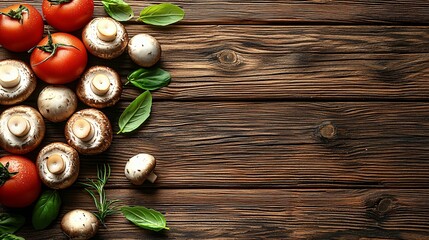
(58, 165)
(17, 81)
(79, 224)
(99, 87)
(144, 50)
(105, 37)
(89, 131)
(57, 103)
(139, 168)
(22, 129)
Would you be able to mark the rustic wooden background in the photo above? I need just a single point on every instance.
(287, 119)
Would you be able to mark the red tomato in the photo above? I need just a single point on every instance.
(23, 188)
(63, 65)
(20, 33)
(68, 15)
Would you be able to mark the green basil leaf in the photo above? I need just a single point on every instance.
(9, 236)
(46, 209)
(162, 14)
(10, 223)
(145, 218)
(150, 79)
(118, 9)
(136, 113)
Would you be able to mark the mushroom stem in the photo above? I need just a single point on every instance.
(9, 76)
(18, 126)
(152, 177)
(83, 129)
(55, 164)
(106, 30)
(100, 84)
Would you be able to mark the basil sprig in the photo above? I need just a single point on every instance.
(161, 14)
(136, 113)
(149, 79)
(118, 10)
(46, 209)
(145, 218)
(10, 223)
(9, 236)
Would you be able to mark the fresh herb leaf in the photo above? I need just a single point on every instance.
(145, 218)
(46, 209)
(10, 223)
(9, 236)
(118, 9)
(96, 190)
(162, 14)
(149, 79)
(136, 113)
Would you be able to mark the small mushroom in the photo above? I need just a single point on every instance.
(58, 165)
(105, 37)
(17, 82)
(79, 224)
(22, 129)
(99, 87)
(144, 50)
(57, 103)
(89, 131)
(139, 168)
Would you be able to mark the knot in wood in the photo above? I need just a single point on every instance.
(228, 57)
(384, 205)
(327, 130)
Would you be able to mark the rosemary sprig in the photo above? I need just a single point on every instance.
(96, 190)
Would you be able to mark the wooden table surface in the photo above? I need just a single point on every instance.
(287, 119)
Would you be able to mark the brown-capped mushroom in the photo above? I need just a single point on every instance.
(89, 131)
(79, 224)
(58, 165)
(57, 103)
(99, 87)
(17, 81)
(144, 50)
(105, 37)
(139, 168)
(22, 129)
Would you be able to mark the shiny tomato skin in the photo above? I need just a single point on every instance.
(19, 37)
(68, 17)
(66, 65)
(22, 189)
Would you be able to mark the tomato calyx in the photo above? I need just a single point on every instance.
(58, 2)
(50, 47)
(17, 14)
(5, 174)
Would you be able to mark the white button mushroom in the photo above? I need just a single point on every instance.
(144, 50)
(105, 37)
(79, 224)
(57, 103)
(139, 168)
(17, 82)
(58, 165)
(89, 131)
(99, 87)
(22, 129)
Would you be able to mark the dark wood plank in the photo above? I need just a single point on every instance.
(289, 11)
(241, 62)
(264, 214)
(274, 144)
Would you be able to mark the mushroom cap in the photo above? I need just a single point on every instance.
(26, 85)
(79, 224)
(139, 167)
(144, 50)
(86, 94)
(71, 165)
(57, 103)
(102, 132)
(28, 142)
(104, 49)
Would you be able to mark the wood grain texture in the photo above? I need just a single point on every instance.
(263, 214)
(273, 144)
(294, 62)
(287, 11)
